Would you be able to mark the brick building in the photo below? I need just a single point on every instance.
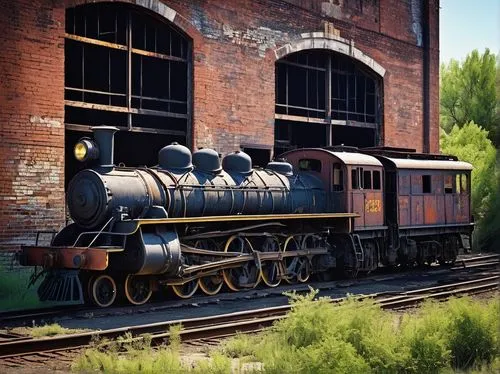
(260, 75)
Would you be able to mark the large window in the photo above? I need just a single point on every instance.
(130, 68)
(127, 68)
(325, 98)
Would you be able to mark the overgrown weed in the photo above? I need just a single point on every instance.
(135, 355)
(321, 337)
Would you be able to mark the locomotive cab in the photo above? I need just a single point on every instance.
(353, 179)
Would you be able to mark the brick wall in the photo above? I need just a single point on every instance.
(233, 97)
(31, 119)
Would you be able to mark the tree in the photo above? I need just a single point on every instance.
(469, 92)
(489, 231)
(470, 143)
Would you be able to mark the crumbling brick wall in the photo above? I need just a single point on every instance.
(234, 45)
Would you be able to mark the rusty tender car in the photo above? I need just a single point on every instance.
(195, 223)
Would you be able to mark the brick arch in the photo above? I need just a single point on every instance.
(156, 6)
(318, 40)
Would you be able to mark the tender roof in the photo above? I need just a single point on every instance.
(352, 158)
(404, 163)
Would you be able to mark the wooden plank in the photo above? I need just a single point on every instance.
(157, 55)
(121, 109)
(100, 43)
(289, 117)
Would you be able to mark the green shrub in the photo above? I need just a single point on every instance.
(320, 337)
(473, 333)
(425, 337)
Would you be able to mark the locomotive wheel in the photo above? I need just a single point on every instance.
(211, 284)
(186, 290)
(303, 269)
(138, 289)
(291, 263)
(270, 270)
(245, 276)
(103, 289)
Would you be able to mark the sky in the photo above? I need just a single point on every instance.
(466, 25)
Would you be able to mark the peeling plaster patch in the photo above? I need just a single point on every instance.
(416, 17)
(261, 38)
(47, 121)
(329, 9)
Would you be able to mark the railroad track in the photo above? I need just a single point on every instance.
(215, 327)
(478, 261)
(38, 316)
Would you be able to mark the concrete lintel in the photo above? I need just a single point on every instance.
(317, 40)
(158, 7)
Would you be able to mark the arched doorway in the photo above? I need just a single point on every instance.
(325, 98)
(125, 66)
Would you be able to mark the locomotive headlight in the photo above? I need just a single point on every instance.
(85, 150)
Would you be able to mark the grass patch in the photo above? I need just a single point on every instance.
(14, 291)
(52, 330)
(128, 355)
(46, 330)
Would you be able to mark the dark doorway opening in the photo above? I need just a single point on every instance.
(353, 136)
(325, 98)
(260, 156)
(291, 135)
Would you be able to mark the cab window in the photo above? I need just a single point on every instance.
(426, 184)
(354, 179)
(448, 184)
(461, 183)
(376, 180)
(367, 180)
(338, 178)
(310, 164)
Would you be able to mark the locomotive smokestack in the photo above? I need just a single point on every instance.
(104, 136)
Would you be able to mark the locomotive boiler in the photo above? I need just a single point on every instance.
(196, 222)
(185, 185)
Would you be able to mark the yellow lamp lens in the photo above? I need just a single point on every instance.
(80, 151)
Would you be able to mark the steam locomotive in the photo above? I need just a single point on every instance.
(195, 222)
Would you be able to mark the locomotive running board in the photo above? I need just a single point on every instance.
(133, 225)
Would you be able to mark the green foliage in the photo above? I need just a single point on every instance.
(470, 143)
(14, 291)
(217, 364)
(479, 328)
(358, 337)
(468, 93)
(425, 338)
(321, 337)
(135, 355)
(488, 233)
